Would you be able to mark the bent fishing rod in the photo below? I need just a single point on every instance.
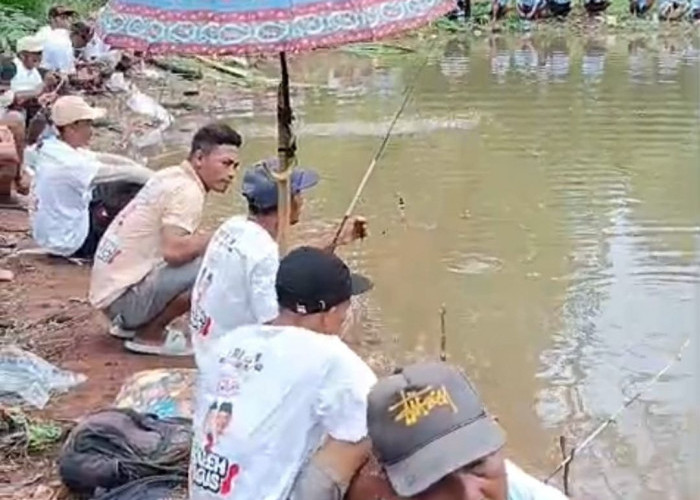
(408, 92)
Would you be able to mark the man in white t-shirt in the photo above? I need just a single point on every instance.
(236, 282)
(58, 49)
(62, 186)
(435, 440)
(28, 79)
(297, 394)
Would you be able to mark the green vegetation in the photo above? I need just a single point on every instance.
(22, 17)
(21, 435)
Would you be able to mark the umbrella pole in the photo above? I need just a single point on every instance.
(286, 147)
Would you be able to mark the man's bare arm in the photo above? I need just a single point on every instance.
(179, 247)
(327, 476)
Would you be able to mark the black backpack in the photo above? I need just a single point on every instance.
(113, 447)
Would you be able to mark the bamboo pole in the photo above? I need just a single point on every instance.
(286, 147)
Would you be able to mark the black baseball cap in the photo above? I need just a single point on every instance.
(260, 189)
(311, 280)
(425, 422)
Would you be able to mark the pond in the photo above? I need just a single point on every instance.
(546, 191)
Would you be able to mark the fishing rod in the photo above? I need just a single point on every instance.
(408, 91)
(564, 465)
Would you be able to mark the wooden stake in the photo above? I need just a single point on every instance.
(443, 334)
(562, 446)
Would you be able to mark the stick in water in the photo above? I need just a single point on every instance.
(615, 415)
(443, 334)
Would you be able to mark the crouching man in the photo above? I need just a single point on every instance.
(434, 439)
(297, 394)
(148, 259)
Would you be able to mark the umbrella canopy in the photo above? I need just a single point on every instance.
(239, 27)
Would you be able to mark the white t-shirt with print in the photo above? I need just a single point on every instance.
(62, 191)
(522, 486)
(283, 389)
(236, 282)
(58, 52)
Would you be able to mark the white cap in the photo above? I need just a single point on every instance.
(30, 44)
(72, 108)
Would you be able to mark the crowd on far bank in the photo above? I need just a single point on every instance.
(532, 10)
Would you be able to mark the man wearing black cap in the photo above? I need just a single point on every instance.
(435, 440)
(298, 394)
(236, 282)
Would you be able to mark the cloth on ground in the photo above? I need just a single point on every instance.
(165, 392)
(112, 447)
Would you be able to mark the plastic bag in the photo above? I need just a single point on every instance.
(26, 377)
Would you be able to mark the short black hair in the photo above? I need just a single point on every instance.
(81, 29)
(254, 209)
(8, 69)
(226, 407)
(215, 134)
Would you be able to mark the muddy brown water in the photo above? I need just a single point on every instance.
(551, 201)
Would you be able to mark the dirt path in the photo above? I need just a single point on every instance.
(45, 310)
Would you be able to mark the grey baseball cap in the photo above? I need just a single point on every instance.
(427, 421)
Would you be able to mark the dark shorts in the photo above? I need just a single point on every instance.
(145, 300)
(108, 199)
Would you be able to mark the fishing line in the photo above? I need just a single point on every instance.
(408, 92)
(615, 415)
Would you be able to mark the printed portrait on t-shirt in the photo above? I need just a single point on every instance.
(211, 470)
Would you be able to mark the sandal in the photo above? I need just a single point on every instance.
(117, 331)
(175, 344)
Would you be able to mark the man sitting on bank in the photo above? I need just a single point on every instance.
(298, 394)
(147, 261)
(236, 282)
(75, 195)
(434, 439)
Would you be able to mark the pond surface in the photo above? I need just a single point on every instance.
(551, 201)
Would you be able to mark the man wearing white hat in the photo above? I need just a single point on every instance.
(77, 192)
(28, 78)
(62, 187)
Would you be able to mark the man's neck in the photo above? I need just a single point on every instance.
(267, 222)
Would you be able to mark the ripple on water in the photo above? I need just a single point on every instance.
(472, 263)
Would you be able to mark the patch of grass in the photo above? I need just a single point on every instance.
(21, 435)
(19, 18)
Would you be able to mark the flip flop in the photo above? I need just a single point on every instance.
(175, 344)
(121, 333)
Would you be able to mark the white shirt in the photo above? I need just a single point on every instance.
(522, 486)
(95, 49)
(6, 99)
(62, 193)
(26, 80)
(236, 282)
(288, 388)
(58, 52)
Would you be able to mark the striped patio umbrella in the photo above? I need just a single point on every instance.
(253, 27)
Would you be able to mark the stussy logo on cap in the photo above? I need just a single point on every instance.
(416, 405)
